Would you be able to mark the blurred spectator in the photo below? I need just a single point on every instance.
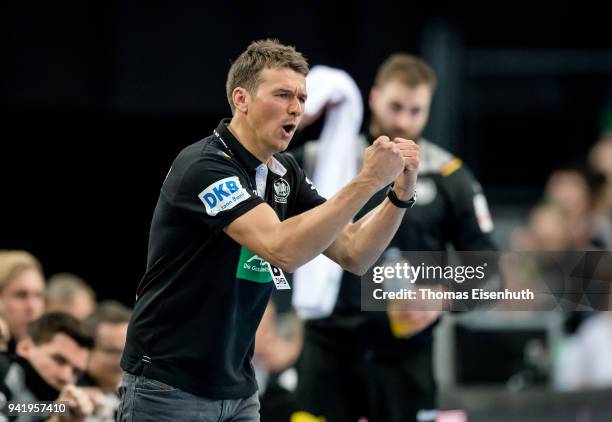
(274, 350)
(278, 344)
(108, 324)
(22, 289)
(70, 294)
(566, 219)
(600, 159)
(575, 190)
(600, 156)
(5, 332)
(584, 360)
(546, 230)
(49, 360)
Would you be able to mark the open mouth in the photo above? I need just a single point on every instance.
(288, 129)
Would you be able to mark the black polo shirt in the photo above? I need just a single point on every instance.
(203, 295)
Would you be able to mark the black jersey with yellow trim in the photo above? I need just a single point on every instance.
(451, 210)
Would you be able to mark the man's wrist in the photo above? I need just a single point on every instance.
(404, 194)
(370, 184)
(401, 202)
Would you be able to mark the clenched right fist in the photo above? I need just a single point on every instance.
(382, 162)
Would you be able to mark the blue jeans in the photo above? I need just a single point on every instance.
(144, 399)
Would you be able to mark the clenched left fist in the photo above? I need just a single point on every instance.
(405, 183)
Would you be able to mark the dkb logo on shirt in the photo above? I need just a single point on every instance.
(223, 195)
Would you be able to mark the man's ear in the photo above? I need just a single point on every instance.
(24, 346)
(241, 99)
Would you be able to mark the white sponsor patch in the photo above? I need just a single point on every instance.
(223, 195)
(280, 282)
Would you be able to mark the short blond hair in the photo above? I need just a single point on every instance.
(13, 263)
(64, 287)
(261, 54)
(408, 69)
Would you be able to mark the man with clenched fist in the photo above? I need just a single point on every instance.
(234, 213)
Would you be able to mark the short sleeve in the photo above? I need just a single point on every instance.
(472, 222)
(308, 197)
(214, 189)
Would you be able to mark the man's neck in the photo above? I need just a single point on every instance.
(246, 136)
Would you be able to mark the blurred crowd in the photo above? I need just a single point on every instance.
(575, 214)
(58, 343)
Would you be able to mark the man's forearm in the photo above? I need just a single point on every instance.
(301, 238)
(297, 240)
(371, 235)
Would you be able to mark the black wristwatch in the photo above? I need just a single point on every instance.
(398, 202)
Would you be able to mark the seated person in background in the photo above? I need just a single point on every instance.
(49, 360)
(108, 325)
(276, 350)
(5, 332)
(600, 160)
(576, 189)
(546, 230)
(70, 294)
(278, 344)
(22, 290)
